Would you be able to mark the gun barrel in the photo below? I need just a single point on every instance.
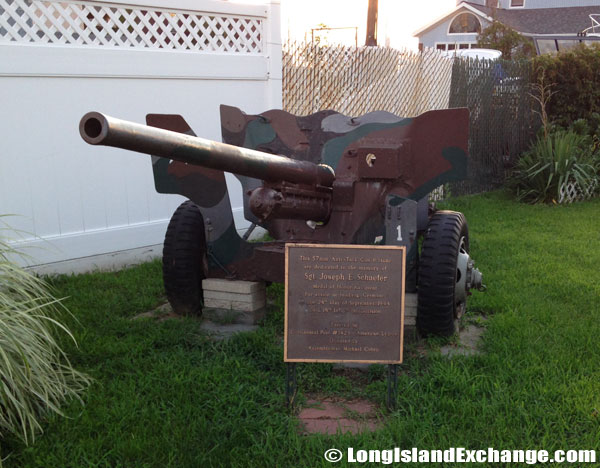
(99, 129)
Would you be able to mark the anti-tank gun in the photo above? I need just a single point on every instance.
(323, 178)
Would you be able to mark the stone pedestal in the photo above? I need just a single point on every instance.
(233, 300)
(410, 317)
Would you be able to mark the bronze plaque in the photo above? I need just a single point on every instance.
(344, 303)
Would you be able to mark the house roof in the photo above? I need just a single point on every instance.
(463, 6)
(564, 20)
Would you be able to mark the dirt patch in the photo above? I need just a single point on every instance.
(220, 325)
(468, 341)
(161, 313)
(330, 416)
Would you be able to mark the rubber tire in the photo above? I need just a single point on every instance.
(184, 260)
(436, 306)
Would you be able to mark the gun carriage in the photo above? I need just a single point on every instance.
(324, 178)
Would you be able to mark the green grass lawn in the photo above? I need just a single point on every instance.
(166, 396)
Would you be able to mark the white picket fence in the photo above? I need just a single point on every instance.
(79, 206)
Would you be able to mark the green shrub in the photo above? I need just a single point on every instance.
(574, 77)
(589, 129)
(563, 157)
(36, 376)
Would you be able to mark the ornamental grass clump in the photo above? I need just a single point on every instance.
(36, 377)
(561, 158)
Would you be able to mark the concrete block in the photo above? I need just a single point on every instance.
(232, 286)
(410, 310)
(235, 305)
(410, 300)
(410, 318)
(234, 297)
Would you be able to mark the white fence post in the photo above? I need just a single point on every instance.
(273, 43)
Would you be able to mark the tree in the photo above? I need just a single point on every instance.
(508, 41)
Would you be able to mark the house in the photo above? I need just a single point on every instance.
(550, 23)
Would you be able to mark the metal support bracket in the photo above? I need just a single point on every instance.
(291, 385)
(392, 386)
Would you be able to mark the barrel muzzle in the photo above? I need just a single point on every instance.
(93, 128)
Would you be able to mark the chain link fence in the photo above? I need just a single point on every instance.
(503, 122)
(357, 80)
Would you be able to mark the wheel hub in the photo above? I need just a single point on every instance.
(467, 276)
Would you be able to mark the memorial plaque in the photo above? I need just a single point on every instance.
(344, 303)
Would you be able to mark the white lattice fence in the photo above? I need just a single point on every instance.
(572, 191)
(97, 24)
(357, 80)
(437, 194)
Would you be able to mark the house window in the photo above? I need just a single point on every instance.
(453, 45)
(465, 23)
(546, 46)
(517, 3)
